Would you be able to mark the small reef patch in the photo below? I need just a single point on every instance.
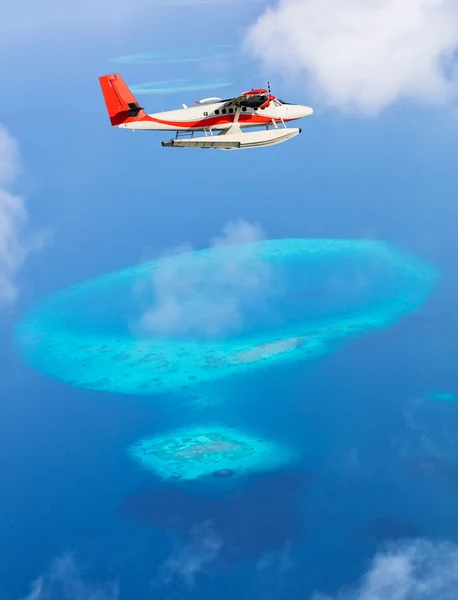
(194, 452)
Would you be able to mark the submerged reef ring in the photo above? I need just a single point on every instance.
(192, 318)
(193, 452)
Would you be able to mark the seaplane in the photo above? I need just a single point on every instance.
(220, 121)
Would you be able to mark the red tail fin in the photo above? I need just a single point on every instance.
(121, 103)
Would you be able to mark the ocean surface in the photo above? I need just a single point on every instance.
(373, 464)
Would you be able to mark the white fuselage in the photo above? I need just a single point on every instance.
(218, 116)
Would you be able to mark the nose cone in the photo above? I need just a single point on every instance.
(305, 111)
(297, 111)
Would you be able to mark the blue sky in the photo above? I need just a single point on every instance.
(376, 160)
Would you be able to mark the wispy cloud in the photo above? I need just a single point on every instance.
(15, 244)
(193, 558)
(173, 86)
(430, 431)
(194, 295)
(66, 580)
(363, 55)
(414, 570)
(274, 573)
(179, 55)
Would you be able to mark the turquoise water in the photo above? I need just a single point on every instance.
(444, 396)
(194, 318)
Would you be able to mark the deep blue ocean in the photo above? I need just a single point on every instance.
(378, 464)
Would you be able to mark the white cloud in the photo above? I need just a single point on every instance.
(36, 590)
(431, 432)
(273, 574)
(205, 297)
(14, 244)
(65, 580)
(9, 157)
(415, 570)
(363, 54)
(193, 558)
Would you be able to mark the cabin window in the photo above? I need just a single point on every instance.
(244, 108)
(231, 110)
(224, 111)
(205, 114)
(216, 112)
